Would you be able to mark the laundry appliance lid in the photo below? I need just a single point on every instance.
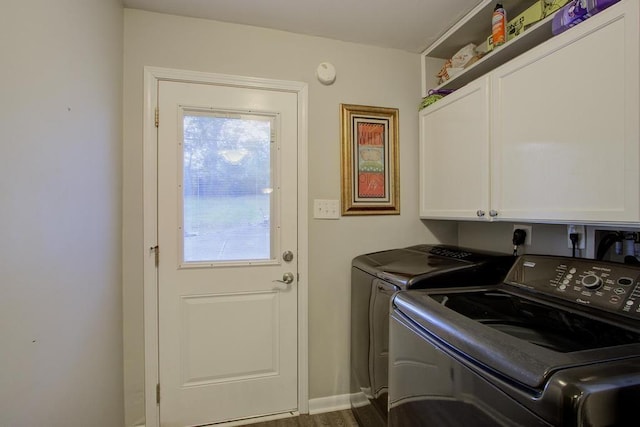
(411, 266)
(493, 348)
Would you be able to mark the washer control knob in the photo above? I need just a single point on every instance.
(625, 281)
(591, 281)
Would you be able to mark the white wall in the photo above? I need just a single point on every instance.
(550, 239)
(60, 213)
(367, 76)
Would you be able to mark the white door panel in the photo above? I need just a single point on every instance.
(227, 210)
(565, 143)
(454, 154)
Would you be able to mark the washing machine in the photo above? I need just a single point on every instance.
(557, 343)
(374, 279)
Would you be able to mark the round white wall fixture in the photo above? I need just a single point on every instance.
(326, 73)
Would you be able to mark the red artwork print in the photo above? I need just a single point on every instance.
(370, 184)
(371, 181)
(370, 134)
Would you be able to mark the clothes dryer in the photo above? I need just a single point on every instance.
(374, 279)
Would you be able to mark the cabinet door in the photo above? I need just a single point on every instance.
(454, 154)
(565, 125)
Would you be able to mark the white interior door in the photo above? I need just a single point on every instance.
(227, 212)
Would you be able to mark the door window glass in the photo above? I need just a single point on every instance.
(227, 187)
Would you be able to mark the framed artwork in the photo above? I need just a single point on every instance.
(369, 167)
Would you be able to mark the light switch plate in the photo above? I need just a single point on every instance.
(326, 209)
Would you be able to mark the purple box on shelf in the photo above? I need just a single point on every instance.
(577, 11)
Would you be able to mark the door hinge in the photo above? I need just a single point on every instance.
(156, 251)
(158, 393)
(157, 117)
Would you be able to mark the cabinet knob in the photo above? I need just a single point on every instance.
(493, 213)
(480, 213)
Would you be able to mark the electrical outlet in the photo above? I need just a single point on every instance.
(527, 229)
(582, 238)
(326, 209)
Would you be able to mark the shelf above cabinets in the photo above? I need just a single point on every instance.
(474, 28)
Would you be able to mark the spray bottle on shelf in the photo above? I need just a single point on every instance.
(499, 25)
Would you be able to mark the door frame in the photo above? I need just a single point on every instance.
(152, 76)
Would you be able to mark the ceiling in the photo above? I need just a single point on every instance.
(409, 25)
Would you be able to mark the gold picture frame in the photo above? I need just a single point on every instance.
(370, 160)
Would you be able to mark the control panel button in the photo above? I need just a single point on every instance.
(591, 281)
(625, 281)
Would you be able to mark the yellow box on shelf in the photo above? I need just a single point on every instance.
(536, 12)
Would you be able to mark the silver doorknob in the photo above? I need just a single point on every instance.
(480, 212)
(493, 213)
(286, 278)
(287, 256)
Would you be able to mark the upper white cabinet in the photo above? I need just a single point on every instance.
(565, 125)
(562, 132)
(454, 154)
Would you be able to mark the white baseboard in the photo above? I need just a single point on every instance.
(329, 404)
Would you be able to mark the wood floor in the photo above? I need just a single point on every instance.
(328, 419)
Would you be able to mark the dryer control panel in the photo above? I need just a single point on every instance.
(604, 285)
